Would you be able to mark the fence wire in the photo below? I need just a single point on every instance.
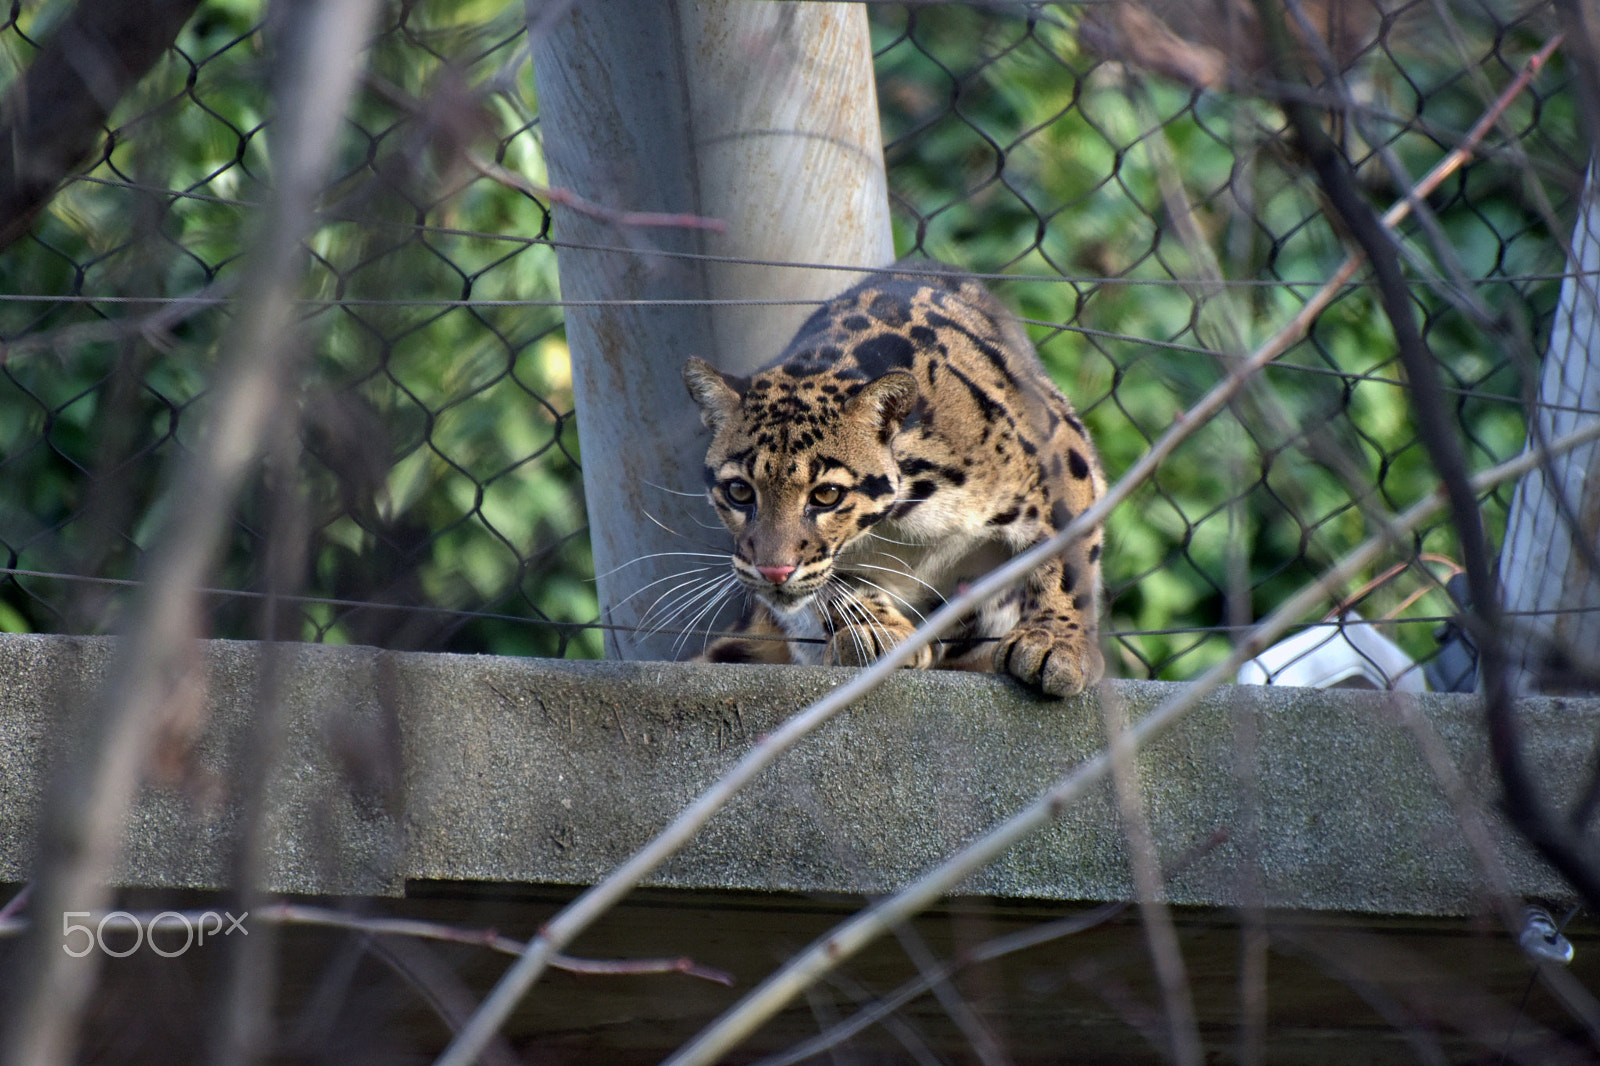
(1129, 194)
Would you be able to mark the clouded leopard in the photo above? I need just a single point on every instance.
(905, 443)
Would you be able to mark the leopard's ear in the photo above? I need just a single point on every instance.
(715, 392)
(888, 400)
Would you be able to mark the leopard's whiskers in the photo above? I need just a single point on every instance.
(678, 599)
(688, 599)
(703, 525)
(842, 601)
(659, 555)
(897, 573)
(682, 576)
(676, 492)
(712, 603)
(882, 636)
(907, 604)
(715, 526)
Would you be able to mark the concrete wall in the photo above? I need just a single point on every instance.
(405, 767)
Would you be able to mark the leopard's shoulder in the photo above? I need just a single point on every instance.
(897, 319)
(981, 390)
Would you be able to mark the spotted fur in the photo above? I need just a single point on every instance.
(905, 443)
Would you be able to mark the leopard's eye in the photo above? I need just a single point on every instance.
(826, 495)
(739, 491)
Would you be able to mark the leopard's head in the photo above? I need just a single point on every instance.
(799, 466)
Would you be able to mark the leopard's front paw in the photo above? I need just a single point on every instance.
(861, 646)
(1060, 663)
(734, 650)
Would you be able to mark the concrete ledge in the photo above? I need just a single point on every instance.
(406, 767)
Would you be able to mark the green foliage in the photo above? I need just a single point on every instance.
(438, 459)
(1014, 152)
(438, 464)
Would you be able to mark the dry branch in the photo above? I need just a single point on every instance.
(52, 116)
(303, 915)
(581, 912)
(850, 937)
(91, 791)
(572, 201)
(1161, 938)
(993, 949)
(453, 128)
(1569, 852)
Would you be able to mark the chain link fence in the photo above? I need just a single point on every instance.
(1107, 165)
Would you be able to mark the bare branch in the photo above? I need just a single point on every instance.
(82, 825)
(1475, 832)
(1418, 999)
(1161, 940)
(850, 937)
(997, 948)
(304, 915)
(978, 1035)
(569, 199)
(487, 168)
(439, 986)
(299, 914)
(1574, 856)
(53, 115)
(15, 904)
(582, 911)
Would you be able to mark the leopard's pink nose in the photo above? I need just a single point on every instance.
(775, 574)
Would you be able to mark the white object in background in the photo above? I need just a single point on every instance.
(1348, 654)
(1541, 937)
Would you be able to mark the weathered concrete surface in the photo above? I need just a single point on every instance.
(403, 767)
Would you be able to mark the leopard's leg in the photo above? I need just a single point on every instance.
(758, 640)
(1055, 642)
(865, 623)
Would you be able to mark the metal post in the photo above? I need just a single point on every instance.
(762, 116)
(1551, 592)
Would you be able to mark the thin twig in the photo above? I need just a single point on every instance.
(155, 328)
(300, 914)
(91, 791)
(571, 200)
(903, 1029)
(1475, 831)
(999, 947)
(297, 914)
(439, 986)
(1161, 938)
(15, 904)
(565, 197)
(985, 1047)
(578, 914)
(1571, 854)
(850, 937)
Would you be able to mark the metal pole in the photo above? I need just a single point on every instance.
(1553, 531)
(761, 116)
